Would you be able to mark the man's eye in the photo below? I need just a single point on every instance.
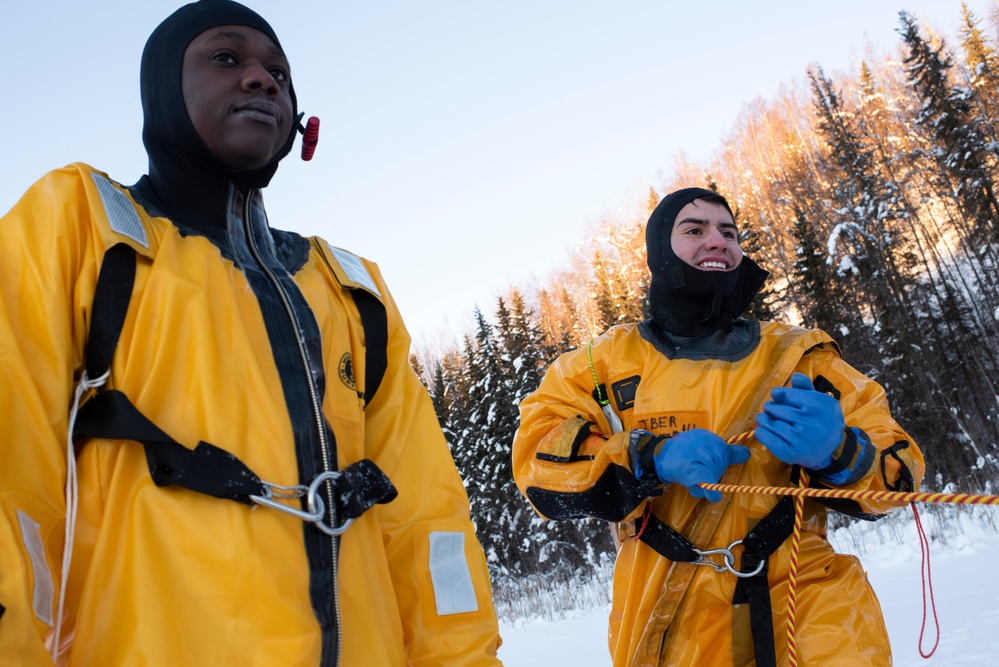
(279, 74)
(225, 57)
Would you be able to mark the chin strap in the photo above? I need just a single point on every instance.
(310, 137)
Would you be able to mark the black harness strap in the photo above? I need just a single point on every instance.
(208, 469)
(771, 532)
(359, 486)
(205, 469)
(375, 323)
(768, 535)
(667, 541)
(111, 296)
(213, 471)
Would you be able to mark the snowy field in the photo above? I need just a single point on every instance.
(965, 576)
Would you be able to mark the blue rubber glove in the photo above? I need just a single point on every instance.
(696, 456)
(801, 426)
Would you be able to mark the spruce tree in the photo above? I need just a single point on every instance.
(865, 236)
(983, 75)
(946, 116)
(438, 393)
(824, 303)
(602, 292)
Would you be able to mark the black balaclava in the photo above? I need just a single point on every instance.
(185, 179)
(683, 299)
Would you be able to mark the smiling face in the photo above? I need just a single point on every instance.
(236, 85)
(705, 237)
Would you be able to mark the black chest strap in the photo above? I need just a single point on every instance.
(771, 532)
(205, 469)
(768, 535)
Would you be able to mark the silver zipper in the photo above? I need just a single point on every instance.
(316, 407)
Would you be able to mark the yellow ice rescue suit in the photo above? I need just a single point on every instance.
(249, 339)
(570, 461)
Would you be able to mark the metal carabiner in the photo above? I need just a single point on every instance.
(728, 560)
(313, 498)
(272, 491)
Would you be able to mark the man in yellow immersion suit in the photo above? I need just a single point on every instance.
(674, 389)
(263, 480)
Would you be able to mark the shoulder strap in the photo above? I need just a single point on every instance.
(375, 323)
(111, 297)
(353, 275)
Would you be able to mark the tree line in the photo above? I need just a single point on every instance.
(873, 200)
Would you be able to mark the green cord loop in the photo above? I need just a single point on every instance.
(601, 400)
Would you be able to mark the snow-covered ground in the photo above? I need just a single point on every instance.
(965, 577)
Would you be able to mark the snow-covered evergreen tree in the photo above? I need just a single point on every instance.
(946, 116)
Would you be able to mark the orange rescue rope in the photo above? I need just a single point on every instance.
(801, 492)
(792, 575)
(891, 496)
(799, 504)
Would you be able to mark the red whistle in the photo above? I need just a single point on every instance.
(310, 138)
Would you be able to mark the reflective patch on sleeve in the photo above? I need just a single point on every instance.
(44, 592)
(121, 214)
(453, 590)
(355, 270)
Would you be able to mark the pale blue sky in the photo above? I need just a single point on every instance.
(466, 146)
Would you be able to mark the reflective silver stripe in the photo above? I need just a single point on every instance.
(355, 269)
(121, 214)
(453, 590)
(44, 592)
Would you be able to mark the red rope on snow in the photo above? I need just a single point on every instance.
(927, 582)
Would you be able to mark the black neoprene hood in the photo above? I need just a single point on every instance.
(176, 151)
(660, 227)
(683, 299)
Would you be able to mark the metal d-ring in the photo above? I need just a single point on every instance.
(313, 498)
(731, 565)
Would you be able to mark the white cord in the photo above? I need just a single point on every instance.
(72, 502)
(612, 418)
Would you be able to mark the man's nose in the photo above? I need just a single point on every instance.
(256, 76)
(714, 239)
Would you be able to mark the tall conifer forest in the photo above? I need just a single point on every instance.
(872, 197)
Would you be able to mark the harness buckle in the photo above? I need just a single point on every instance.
(728, 561)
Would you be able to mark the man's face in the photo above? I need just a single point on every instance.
(704, 236)
(236, 84)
